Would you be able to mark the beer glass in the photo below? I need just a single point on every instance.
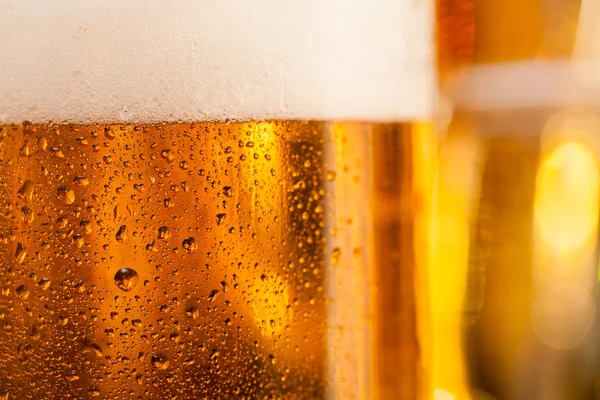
(519, 188)
(215, 199)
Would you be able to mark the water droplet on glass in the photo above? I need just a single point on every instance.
(81, 180)
(86, 225)
(78, 240)
(20, 253)
(22, 292)
(65, 194)
(44, 283)
(227, 191)
(92, 348)
(335, 255)
(25, 192)
(167, 155)
(188, 361)
(126, 279)
(41, 144)
(221, 218)
(27, 214)
(163, 232)
(192, 312)
(213, 295)
(160, 361)
(109, 133)
(189, 244)
(121, 235)
(26, 150)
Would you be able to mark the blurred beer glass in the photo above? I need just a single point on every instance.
(519, 192)
(215, 199)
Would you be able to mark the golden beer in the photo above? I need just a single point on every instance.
(210, 260)
(215, 200)
(519, 187)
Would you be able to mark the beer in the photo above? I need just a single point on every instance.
(209, 208)
(519, 162)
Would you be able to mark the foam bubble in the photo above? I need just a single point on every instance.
(158, 60)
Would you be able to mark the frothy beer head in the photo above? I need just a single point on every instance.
(158, 60)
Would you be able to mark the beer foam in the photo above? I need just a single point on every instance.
(159, 60)
(525, 85)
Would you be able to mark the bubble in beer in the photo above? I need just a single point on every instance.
(126, 279)
(66, 195)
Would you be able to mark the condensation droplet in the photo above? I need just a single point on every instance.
(81, 180)
(188, 361)
(192, 312)
(25, 192)
(92, 348)
(213, 295)
(65, 194)
(221, 218)
(189, 244)
(20, 253)
(27, 214)
(86, 225)
(44, 283)
(121, 234)
(26, 149)
(335, 255)
(22, 292)
(126, 279)
(164, 233)
(160, 361)
(167, 155)
(78, 240)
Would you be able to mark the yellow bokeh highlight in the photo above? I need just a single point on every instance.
(566, 201)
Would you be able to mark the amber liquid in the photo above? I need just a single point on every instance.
(277, 259)
(518, 186)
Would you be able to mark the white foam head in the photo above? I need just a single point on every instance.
(160, 60)
(525, 85)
